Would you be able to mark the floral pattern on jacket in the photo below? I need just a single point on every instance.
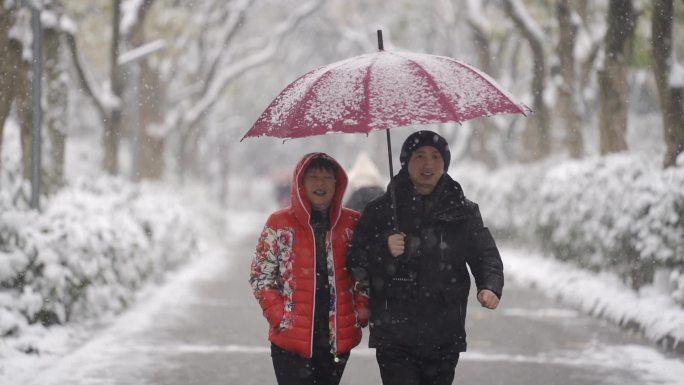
(272, 266)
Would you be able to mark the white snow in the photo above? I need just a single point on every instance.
(601, 295)
(377, 90)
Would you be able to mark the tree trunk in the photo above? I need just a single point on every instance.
(675, 135)
(613, 85)
(536, 138)
(567, 99)
(112, 129)
(671, 103)
(484, 130)
(150, 144)
(15, 86)
(185, 157)
(151, 96)
(9, 64)
(56, 110)
(23, 99)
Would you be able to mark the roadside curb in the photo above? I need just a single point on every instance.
(656, 317)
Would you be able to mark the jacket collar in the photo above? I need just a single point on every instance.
(448, 199)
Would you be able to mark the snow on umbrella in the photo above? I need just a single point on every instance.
(382, 90)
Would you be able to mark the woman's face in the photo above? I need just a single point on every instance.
(319, 185)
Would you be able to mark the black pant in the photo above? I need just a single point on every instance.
(408, 365)
(321, 369)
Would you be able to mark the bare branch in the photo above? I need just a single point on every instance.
(132, 18)
(80, 72)
(236, 19)
(223, 78)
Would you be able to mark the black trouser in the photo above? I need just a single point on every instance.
(321, 369)
(408, 365)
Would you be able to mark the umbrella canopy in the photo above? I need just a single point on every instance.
(382, 90)
(379, 91)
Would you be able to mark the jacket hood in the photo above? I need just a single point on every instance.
(301, 203)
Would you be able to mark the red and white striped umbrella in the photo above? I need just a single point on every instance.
(382, 90)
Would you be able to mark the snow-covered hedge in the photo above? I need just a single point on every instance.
(620, 213)
(87, 253)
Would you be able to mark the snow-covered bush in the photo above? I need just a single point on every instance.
(622, 213)
(94, 245)
(619, 212)
(508, 198)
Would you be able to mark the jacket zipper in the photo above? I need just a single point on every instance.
(334, 280)
(313, 299)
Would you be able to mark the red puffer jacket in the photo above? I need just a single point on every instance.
(283, 272)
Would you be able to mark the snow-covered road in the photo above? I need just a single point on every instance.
(204, 327)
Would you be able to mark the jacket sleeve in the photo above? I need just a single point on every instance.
(363, 247)
(359, 293)
(483, 257)
(264, 276)
(368, 246)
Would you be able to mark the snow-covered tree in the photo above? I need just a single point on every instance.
(613, 79)
(669, 76)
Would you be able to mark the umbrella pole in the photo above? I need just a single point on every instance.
(391, 185)
(389, 154)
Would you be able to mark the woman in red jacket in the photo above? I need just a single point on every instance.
(300, 279)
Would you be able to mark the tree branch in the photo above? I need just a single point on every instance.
(223, 78)
(234, 23)
(81, 74)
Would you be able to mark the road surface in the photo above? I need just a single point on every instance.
(204, 327)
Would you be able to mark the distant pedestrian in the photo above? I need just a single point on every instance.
(300, 278)
(418, 276)
(365, 183)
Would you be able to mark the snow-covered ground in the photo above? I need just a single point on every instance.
(598, 294)
(650, 310)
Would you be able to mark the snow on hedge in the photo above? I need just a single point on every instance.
(620, 218)
(93, 246)
(621, 213)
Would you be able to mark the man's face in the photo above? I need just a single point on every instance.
(319, 185)
(425, 167)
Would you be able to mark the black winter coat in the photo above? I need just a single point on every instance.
(419, 298)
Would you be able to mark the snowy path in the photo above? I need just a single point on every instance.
(204, 327)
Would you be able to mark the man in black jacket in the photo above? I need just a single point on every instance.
(417, 275)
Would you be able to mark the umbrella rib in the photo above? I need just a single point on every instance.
(442, 97)
(365, 105)
(521, 108)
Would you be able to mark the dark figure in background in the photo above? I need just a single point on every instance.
(365, 183)
(362, 196)
(300, 278)
(417, 277)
